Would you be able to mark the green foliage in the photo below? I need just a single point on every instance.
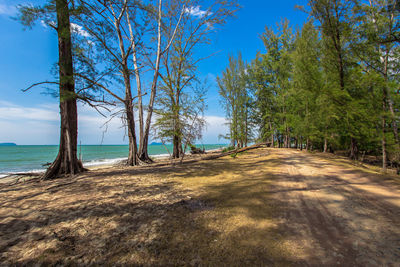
(227, 149)
(237, 101)
(331, 85)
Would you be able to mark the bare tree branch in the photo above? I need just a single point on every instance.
(36, 84)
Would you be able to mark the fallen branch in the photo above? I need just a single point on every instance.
(234, 151)
(211, 157)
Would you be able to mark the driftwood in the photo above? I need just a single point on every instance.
(234, 151)
(211, 157)
(195, 150)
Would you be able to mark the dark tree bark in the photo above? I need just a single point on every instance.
(177, 147)
(272, 134)
(66, 162)
(301, 142)
(384, 116)
(272, 140)
(132, 156)
(177, 140)
(353, 149)
(384, 155)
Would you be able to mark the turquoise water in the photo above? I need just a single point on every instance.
(31, 158)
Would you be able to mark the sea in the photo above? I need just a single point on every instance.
(33, 158)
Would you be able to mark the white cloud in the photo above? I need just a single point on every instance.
(210, 26)
(75, 28)
(197, 12)
(7, 10)
(46, 24)
(41, 125)
(216, 126)
(10, 111)
(78, 29)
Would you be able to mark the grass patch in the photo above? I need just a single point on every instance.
(227, 149)
(210, 213)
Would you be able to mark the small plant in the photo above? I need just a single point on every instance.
(229, 148)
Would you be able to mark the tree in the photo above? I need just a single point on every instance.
(182, 93)
(335, 21)
(271, 80)
(311, 114)
(122, 25)
(235, 95)
(66, 162)
(107, 24)
(170, 32)
(180, 123)
(378, 53)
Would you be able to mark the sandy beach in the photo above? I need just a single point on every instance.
(159, 159)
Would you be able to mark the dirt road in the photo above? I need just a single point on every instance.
(335, 214)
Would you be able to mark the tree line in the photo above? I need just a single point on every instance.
(332, 85)
(115, 55)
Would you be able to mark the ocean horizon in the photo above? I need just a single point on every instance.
(33, 158)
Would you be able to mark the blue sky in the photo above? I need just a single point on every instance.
(26, 56)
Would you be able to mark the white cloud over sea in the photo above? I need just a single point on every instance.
(40, 125)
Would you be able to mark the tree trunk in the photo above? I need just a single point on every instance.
(66, 162)
(132, 156)
(308, 144)
(296, 142)
(384, 110)
(301, 142)
(272, 140)
(130, 118)
(132, 159)
(177, 144)
(176, 150)
(353, 149)
(128, 101)
(144, 142)
(384, 155)
(272, 134)
(325, 145)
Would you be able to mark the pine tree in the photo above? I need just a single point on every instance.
(66, 162)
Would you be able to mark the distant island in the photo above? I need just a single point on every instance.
(8, 144)
(155, 143)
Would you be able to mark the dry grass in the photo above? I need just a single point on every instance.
(238, 211)
(208, 213)
(390, 174)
